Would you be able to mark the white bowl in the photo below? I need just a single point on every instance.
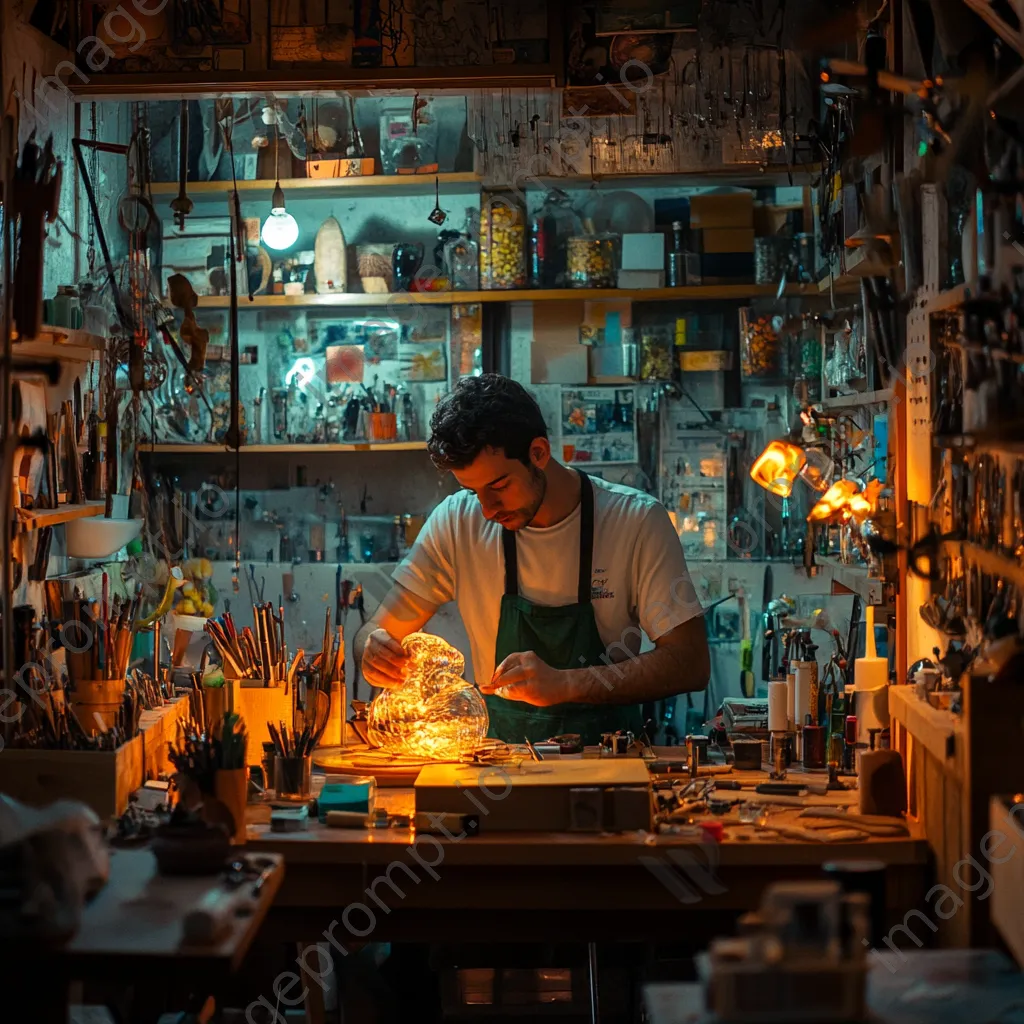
(100, 537)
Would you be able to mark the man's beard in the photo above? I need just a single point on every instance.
(529, 513)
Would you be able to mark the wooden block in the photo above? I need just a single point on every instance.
(257, 705)
(104, 780)
(722, 210)
(612, 794)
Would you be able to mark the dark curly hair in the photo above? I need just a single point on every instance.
(489, 411)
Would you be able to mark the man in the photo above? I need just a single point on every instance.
(553, 572)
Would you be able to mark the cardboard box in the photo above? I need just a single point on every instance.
(721, 240)
(702, 361)
(725, 267)
(104, 780)
(643, 251)
(722, 210)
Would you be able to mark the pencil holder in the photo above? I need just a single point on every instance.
(231, 787)
(97, 703)
(292, 777)
(383, 426)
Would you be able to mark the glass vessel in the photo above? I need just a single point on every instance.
(551, 227)
(435, 713)
(760, 348)
(462, 263)
(502, 240)
(591, 260)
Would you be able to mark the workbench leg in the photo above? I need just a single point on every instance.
(595, 1009)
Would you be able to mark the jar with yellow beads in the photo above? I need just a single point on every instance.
(502, 240)
(591, 260)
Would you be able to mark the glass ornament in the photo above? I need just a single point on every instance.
(435, 713)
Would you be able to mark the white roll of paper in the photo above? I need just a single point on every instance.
(778, 700)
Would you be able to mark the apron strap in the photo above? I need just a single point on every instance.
(508, 545)
(586, 538)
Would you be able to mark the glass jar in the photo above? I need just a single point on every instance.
(502, 240)
(760, 349)
(462, 263)
(655, 355)
(591, 261)
(551, 227)
(408, 139)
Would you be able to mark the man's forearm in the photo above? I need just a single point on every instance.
(654, 675)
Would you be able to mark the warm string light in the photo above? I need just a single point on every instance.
(435, 713)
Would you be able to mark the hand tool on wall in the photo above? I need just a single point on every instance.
(34, 202)
(181, 204)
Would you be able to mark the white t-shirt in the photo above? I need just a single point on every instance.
(640, 577)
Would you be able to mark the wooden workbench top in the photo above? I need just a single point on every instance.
(743, 845)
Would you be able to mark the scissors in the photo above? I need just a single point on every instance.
(253, 589)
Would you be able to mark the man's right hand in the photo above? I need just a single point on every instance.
(384, 660)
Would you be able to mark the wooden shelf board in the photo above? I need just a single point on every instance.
(856, 401)
(56, 516)
(855, 578)
(937, 730)
(66, 343)
(309, 188)
(265, 449)
(940, 302)
(754, 176)
(695, 293)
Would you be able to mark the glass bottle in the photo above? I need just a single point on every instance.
(677, 257)
(462, 263)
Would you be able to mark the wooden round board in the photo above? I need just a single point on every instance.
(387, 769)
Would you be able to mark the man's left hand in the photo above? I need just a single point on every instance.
(528, 678)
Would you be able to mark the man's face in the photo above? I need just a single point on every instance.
(509, 492)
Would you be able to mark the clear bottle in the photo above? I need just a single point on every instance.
(462, 263)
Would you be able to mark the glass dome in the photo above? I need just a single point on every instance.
(435, 714)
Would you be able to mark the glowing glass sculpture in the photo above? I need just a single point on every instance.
(776, 468)
(435, 713)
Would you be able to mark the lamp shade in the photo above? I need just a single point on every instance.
(778, 466)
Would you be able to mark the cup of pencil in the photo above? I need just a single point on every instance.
(292, 777)
(383, 426)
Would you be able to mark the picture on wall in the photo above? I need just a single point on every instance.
(598, 425)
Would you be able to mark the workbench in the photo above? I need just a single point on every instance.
(130, 936)
(678, 885)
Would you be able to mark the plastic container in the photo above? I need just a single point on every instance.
(502, 241)
(293, 777)
(591, 261)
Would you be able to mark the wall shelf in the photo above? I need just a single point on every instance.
(67, 343)
(40, 518)
(854, 578)
(294, 449)
(310, 188)
(942, 302)
(936, 730)
(858, 400)
(695, 293)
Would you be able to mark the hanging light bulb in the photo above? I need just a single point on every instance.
(280, 229)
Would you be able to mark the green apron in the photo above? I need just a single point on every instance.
(564, 637)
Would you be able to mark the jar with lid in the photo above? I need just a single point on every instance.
(591, 261)
(551, 227)
(502, 240)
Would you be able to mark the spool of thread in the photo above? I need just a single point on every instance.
(802, 696)
(814, 746)
(746, 755)
(778, 718)
(870, 681)
(791, 698)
